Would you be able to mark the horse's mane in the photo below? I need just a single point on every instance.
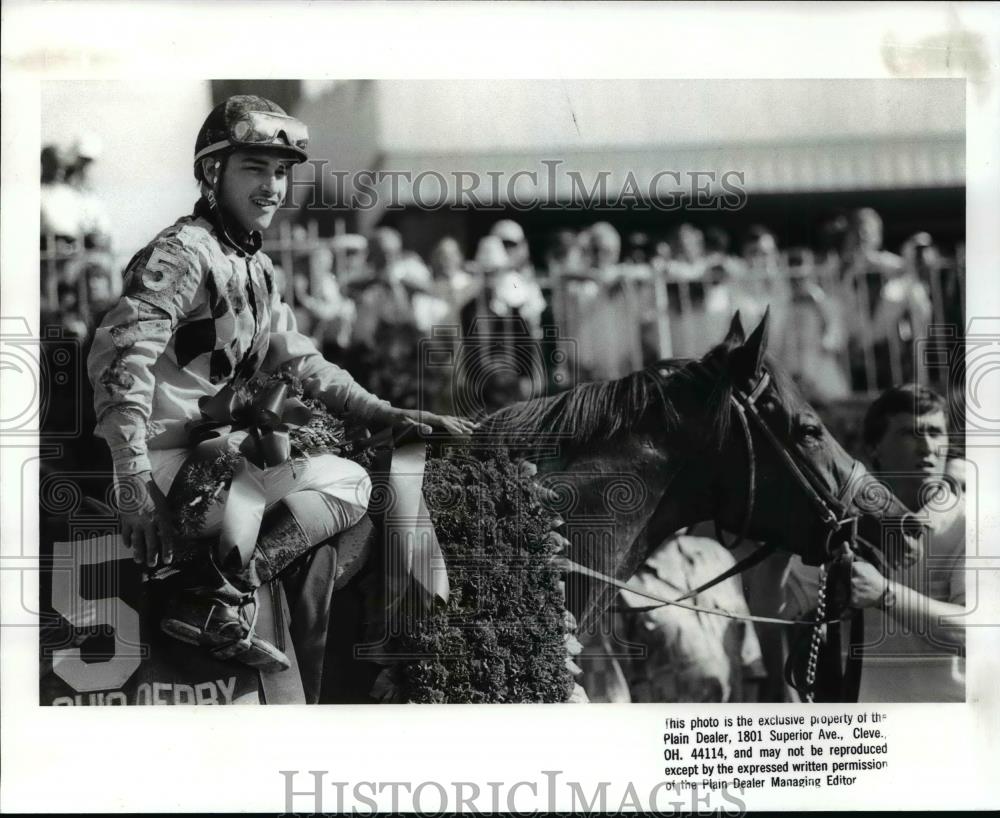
(602, 410)
(586, 413)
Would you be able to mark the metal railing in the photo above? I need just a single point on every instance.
(869, 326)
(65, 271)
(813, 307)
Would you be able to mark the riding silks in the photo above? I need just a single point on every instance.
(194, 314)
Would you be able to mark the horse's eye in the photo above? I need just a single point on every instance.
(810, 431)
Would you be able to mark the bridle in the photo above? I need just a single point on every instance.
(834, 510)
(841, 543)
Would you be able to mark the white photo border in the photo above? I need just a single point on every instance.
(228, 759)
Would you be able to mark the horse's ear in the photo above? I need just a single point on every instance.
(746, 361)
(736, 336)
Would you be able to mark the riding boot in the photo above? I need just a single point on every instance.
(281, 541)
(216, 608)
(297, 548)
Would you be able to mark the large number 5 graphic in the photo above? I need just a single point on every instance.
(67, 599)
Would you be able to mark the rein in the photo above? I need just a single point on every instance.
(566, 564)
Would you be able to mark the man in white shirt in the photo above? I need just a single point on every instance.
(914, 642)
(914, 651)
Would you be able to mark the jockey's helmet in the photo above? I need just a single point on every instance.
(248, 121)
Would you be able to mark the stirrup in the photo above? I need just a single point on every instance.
(224, 630)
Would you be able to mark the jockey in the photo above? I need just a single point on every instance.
(200, 311)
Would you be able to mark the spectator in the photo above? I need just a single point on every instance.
(597, 305)
(921, 657)
(438, 315)
(638, 248)
(102, 292)
(677, 291)
(451, 282)
(501, 326)
(714, 297)
(662, 256)
(385, 250)
(490, 263)
(720, 265)
(516, 285)
(59, 220)
(863, 250)
(566, 254)
(808, 326)
(761, 271)
(812, 344)
(514, 243)
(350, 253)
(955, 470)
(760, 251)
(914, 642)
(687, 253)
(682, 262)
(60, 202)
(447, 261)
(922, 263)
(381, 297)
(95, 225)
(904, 309)
(327, 313)
(689, 656)
(388, 260)
(606, 243)
(883, 308)
(384, 341)
(832, 239)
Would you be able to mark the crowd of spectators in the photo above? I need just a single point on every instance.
(844, 317)
(78, 276)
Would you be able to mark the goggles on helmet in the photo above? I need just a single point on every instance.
(261, 129)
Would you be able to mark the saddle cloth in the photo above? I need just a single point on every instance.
(113, 653)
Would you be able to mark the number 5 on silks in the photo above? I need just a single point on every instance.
(72, 559)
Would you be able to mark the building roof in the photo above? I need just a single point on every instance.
(782, 135)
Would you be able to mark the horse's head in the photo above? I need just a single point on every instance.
(776, 473)
(684, 440)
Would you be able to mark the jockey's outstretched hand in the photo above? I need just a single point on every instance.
(429, 422)
(143, 520)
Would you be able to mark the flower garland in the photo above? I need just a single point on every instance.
(504, 634)
(199, 485)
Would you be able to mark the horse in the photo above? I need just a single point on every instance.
(726, 437)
